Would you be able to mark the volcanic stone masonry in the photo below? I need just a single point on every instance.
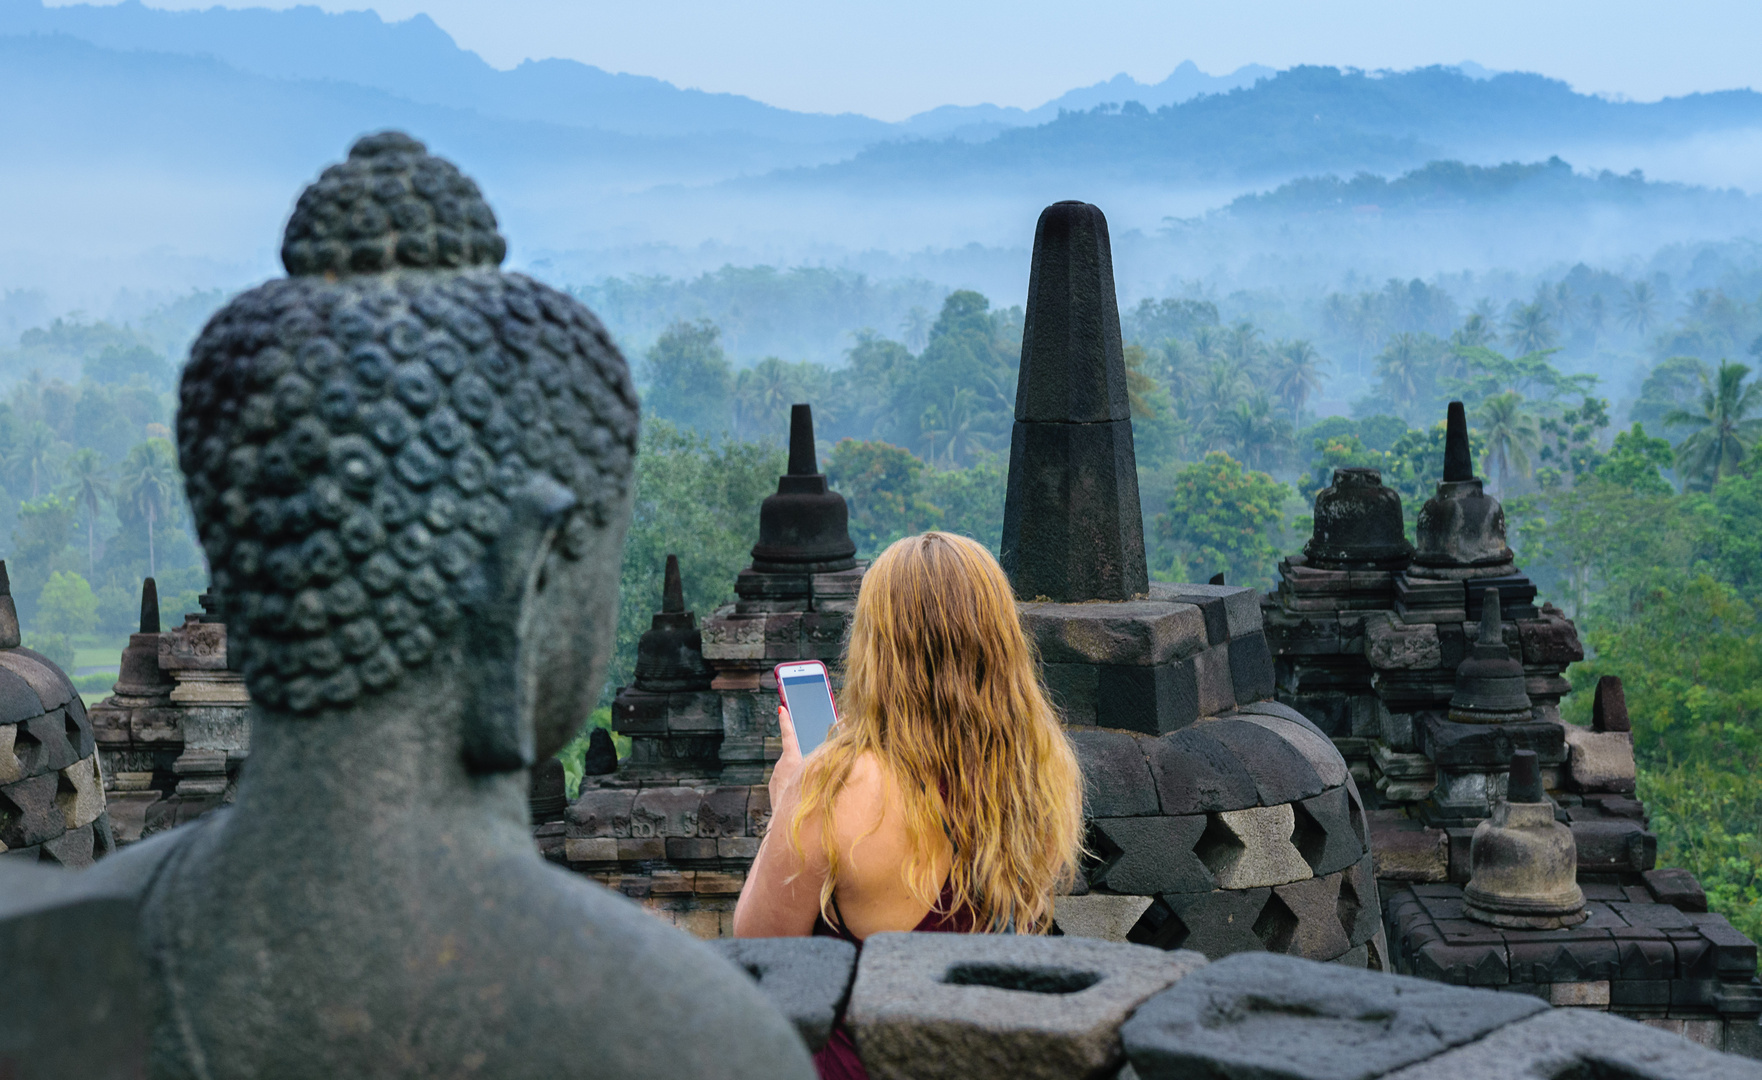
(52, 806)
(1432, 670)
(175, 731)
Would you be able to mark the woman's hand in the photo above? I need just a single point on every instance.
(788, 768)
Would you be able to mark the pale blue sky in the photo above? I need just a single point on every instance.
(896, 58)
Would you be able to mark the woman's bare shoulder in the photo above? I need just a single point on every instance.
(863, 806)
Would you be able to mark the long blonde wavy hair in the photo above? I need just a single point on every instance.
(943, 686)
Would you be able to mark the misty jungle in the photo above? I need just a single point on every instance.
(1291, 303)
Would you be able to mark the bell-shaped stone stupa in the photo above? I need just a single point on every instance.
(1489, 683)
(1358, 525)
(1461, 529)
(1525, 862)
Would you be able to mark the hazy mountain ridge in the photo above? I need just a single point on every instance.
(417, 60)
(978, 122)
(1454, 185)
(1307, 119)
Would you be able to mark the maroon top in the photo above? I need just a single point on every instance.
(838, 1060)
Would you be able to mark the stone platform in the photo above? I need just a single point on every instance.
(1685, 971)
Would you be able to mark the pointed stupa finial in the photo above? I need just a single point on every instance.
(1458, 465)
(5, 582)
(805, 527)
(149, 606)
(1491, 632)
(1525, 784)
(801, 441)
(1073, 529)
(1489, 682)
(672, 589)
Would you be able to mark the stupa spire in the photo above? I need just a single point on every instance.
(1072, 528)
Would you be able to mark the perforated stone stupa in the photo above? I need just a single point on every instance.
(52, 806)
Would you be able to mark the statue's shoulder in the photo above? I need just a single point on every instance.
(607, 957)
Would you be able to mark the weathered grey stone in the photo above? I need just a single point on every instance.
(1261, 852)
(11, 768)
(1324, 832)
(75, 978)
(17, 700)
(1149, 855)
(1151, 700)
(1072, 689)
(1360, 908)
(1241, 605)
(1134, 632)
(1116, 777)
(1614, 844)
(1216, 684)
(1099, 915)
(601, 812)
(666, 811)
(1282, 773)
(808, 979)
(1315, 930)
(1251, 668)
(985, 1006)
(48, 681)
(28, 814)
(1581, 1042)
(437, 468)
(1676, 887)
(1599, 760)
(1216, 923)
(1488, 746)
(1261, 1016)
(1195, 773)
(1072, 529)
(74, 849)
(1316, 748)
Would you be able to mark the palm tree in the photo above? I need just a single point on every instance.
(914, 329)
(1725, 432)
(1402, 368)
(1242, 346)
(1296, 375)
(1220, 388)
(762, 396)
(87, 483)
(33, 456)
(1529, 329)
(148, 482)
(1509, 434)
(1476, 330)
(1250, 432)
(1639, 307)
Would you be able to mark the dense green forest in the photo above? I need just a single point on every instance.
(1619, 417)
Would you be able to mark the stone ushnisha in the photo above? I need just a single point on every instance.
(411, 475)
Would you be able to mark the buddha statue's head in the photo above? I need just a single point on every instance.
(409, 468)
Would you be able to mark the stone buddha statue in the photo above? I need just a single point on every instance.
(411, 474)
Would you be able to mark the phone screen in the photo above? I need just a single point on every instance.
(809, 700)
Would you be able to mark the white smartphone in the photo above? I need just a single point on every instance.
(807, 694)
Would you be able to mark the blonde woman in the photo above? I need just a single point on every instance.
(947, 798)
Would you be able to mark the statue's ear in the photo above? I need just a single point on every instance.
(498, 735)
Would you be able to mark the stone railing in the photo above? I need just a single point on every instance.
(985, 1007)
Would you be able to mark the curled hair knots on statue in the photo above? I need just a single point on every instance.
(391, 204)
(350, 447)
